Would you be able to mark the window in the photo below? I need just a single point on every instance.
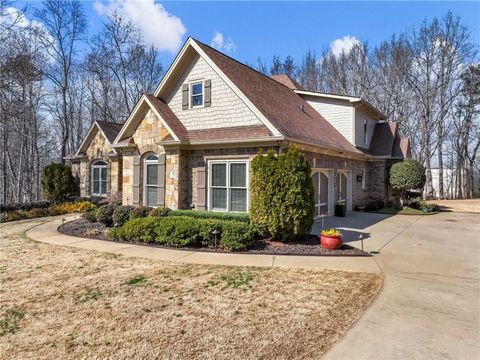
(365, 133)
(228, 186)
(364, 179)
(151, 180)
(99, 178)
(197, 94)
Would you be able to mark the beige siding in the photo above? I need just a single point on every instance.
(339, 113)
(360, 116)
(226, 109)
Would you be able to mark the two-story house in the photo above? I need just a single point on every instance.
(189, 144)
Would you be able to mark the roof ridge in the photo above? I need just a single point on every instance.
(239, 62)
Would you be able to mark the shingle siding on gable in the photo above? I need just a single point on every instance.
(336, 112)
(226, 109)
(359, 117)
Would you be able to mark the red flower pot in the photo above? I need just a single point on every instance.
(331, 242)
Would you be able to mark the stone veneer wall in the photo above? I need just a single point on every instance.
(98, 150)
(150, 131)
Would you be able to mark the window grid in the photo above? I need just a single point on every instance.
(99, 178)
(197, 96)
(228, 187)
(151, 161)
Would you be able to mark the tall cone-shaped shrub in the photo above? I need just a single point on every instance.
(282, 203)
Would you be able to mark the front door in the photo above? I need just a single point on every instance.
(320, 190)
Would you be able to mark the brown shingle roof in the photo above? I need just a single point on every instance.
(169, 117)
(287, 81)
(110, 129)
(230, 133)
(288, 112)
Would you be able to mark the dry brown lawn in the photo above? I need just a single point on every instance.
(64, 303)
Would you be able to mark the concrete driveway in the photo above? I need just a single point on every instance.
(429, 307)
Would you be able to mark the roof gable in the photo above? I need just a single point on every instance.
(108, 130)
(284, 109)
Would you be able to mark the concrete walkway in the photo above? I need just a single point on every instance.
(429, 307)
(47, 233)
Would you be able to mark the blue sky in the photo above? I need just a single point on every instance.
(253, 30)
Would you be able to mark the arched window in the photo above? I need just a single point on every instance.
(99, 178)
(151, 180)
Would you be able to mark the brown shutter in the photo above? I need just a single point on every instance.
(185, 96)
(136, 180)
(208, 93)
(201, 189)
(161, 181)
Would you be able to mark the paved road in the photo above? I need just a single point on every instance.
(429, 307)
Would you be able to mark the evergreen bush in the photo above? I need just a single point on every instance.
(282, 200)
(58, 183)
(407, 175)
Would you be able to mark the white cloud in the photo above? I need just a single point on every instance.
(159, 28)
(219, 43)
(17, 18)
(345, 44)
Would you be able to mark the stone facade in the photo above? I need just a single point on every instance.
(98, 149)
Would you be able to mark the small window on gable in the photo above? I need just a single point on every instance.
(196, 99)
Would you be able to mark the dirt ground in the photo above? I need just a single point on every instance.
(464, 205)
(63, 303)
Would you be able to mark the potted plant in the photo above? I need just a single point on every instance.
(341, 208)
(331, 239)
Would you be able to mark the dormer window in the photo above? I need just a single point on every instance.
(196, 99)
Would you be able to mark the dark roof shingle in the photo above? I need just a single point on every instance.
(288, 112)
(110, 129)
(169, 117)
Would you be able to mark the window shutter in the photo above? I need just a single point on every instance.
(161, 181)
(201, 189)
(185, 96)
(208, 93)
(136, 180)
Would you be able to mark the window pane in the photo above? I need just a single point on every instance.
(152, 174)
(197, 100)
(103, 187)
(238, 175)
(315, 187)
(238, 199)
(96, 187)
(219, 199)
(103, 172)
(323, 188)
(151, 196)
(152, 158)
(219, 175)
(197, 89)
(343, 186)
(96, 173)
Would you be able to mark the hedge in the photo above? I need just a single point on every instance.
(211, 215)
(282, 199)
(56, 209)
(178, 231)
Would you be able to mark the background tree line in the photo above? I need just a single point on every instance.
(55, 81)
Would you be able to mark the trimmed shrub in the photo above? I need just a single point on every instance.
(160, 211)
(24, 206)
(68, 207)
(90, 215)
(211, 215)
(122, 214)
(141, 212)
(406, 175)
(179, 231)
(105, 214)
(58, 182)
(282, 202)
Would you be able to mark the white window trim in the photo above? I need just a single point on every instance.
(190, 94)
(228, 187)
(145, 185)
(95, 165)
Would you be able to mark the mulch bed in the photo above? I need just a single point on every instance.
(309, 246)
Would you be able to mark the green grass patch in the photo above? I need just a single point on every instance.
(9, 322)
(405, 211)
(239, 278)
(92, 294)
(136, 280)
